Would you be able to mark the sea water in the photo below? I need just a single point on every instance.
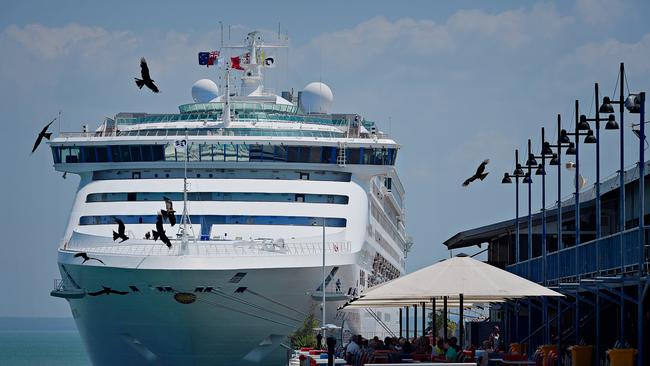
(42, 347)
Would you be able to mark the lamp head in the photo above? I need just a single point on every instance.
(546, 148)
(527, 179)
(506, 178)
(564, 138)
(590, 138)
(531, 160)
(540, 170)
(572, 149)
(518, 170)
(606, 107)
(633, 104)
(611, 123)
(553, 160)
(582, 123)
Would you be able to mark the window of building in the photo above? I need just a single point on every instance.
(304, 176)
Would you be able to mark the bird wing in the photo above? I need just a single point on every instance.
(469, 180)
(159, 225)
(120, 226)
(152, 86)
(81, 254)
(169, 204)
(97, 259)
(37, 142)
(144, 70)
(47, 126)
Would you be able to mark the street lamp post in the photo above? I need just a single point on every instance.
(611, 125)
(589, 139)
(562, 141)
(546, 153)
(507, 179)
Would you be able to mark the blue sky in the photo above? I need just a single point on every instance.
(460, 82)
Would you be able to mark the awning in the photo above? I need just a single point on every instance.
(476, 281)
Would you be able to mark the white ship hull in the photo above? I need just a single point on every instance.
(220, 327)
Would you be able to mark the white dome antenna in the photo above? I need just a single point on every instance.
(204, 90)
(316, 97)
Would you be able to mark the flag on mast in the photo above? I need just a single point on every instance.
(235, 62)
(208, 58)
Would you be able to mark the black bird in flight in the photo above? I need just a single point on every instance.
(169, 213)
(480, 173)
(42, 134)
(107, 291)
(120, 234)
(159, 233)
(146, 78)
(87, 258)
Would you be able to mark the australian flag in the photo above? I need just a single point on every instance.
(208, 58)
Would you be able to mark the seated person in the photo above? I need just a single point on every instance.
(439, 349)
(451, 352)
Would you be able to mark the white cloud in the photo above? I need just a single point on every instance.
(53, 42)
(599, 12)
(611, 52)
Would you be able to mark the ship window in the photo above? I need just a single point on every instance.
(135, 175)
(146, 153)
(300, 198)
(125, 155)
(304, 176)
(56, 154)
(230, 152)
(88, 154)
(136, 154)
(131, 196)
(102, 154)
(315, 154)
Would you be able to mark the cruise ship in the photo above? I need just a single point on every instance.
(264, 198)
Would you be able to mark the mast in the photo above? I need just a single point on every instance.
(185, 220)
(323, 305)
(226, 105)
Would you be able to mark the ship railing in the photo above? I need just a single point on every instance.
(215, 249)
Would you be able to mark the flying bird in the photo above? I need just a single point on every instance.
(107, 291)
(168, 213)
(159, 233)
(87, 258)
(43, 134)
(480, 173)
(146, 78)
(120, 234)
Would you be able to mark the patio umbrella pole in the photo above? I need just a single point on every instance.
(415, 320)
(444, 319)
(424, 323)
(461, 321)
(401, 316)
(434, 330)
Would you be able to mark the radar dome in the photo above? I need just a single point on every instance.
(316, 97)
(204, 90)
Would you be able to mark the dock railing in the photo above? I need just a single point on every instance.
(599, 257)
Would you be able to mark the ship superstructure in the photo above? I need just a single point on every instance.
(262, 177)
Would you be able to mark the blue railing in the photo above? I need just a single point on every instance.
(597, 257)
